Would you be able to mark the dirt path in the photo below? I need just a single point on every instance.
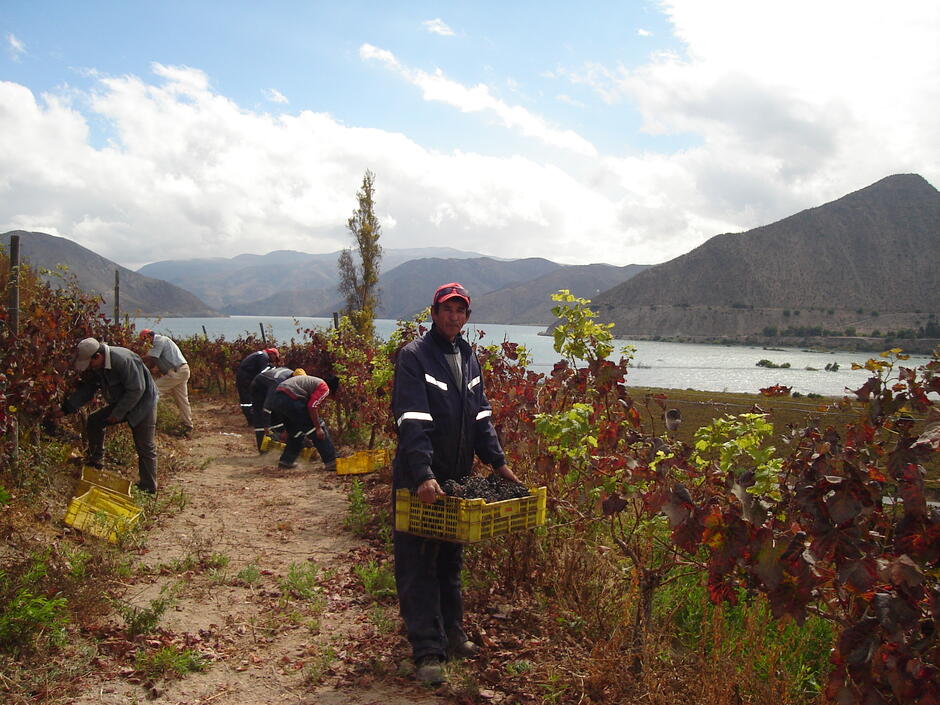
(266, 644)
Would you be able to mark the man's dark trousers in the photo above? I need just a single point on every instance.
(244, 398)
(143, 441)
(427, 576)
(297, 423)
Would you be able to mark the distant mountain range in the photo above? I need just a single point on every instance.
(95, 275)
(251, 284)
(865, 262)
(289, 283)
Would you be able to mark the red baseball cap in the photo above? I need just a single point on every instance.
(454, 290)
(145, 333)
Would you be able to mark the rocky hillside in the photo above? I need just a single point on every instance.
(139, 294)
(845, 264)
(530, 302)
(408, 288)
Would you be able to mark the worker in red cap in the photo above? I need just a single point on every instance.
(248, 369)
(443, 419)
(165, 356)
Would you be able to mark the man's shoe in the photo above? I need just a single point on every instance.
(462, 648)
(287, 466)
(330, 466)
(146, 490)
(430, 670)
(93, 463)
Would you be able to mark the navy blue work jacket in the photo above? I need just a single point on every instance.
(251, 367)
(263, 387)
(440, 424)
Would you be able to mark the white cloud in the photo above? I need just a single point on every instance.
(568, 100)
(275, 96)
(438, 26)
(790, 103)
(772, 112)
(644, 33)
(367, 51)
(437, 87)
(15, 47)
(192, 174)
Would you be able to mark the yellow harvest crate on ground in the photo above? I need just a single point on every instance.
(268, 443)
(102, 479)
(468, 520)
(102, 513)
(363, 461)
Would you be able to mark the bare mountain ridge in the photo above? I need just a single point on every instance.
(252, 284)
(405, 289)
(840, 264)
(530, 302)
(509, 291)
(95, 274)
(288, 282)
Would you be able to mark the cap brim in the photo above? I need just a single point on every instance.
(454, 295)
(82, 365)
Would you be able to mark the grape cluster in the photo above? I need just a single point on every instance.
(494, 488)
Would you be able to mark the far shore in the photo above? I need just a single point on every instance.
(912, 346)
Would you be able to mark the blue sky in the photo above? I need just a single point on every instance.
(625, 132)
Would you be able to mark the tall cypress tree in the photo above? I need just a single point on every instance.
(358, 284)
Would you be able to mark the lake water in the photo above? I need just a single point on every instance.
(715, 368)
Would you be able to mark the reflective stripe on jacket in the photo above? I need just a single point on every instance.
(440, 424)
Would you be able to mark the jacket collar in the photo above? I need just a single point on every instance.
(443, 343)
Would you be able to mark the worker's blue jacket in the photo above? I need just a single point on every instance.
(262, 389)
(440, 423)
(251, 367)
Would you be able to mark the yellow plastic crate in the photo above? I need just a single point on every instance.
(268, 443)
(363, 461)
(468, 520)
(103, 480)
(102, 513)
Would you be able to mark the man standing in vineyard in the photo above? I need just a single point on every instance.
(442, 417)
(131, 396)
(248, 369)
(165, 355)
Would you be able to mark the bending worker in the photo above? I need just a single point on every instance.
(248, 369)
(131, 397)
(262, 390)
(297, 401)
(165, 355)
(443, 418)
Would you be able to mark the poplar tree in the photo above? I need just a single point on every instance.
(358, 283)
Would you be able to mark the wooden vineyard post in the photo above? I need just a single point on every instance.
(117, 295)
(14, 328)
